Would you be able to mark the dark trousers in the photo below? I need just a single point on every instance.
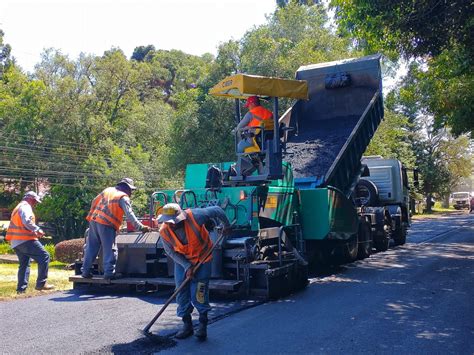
(31, 249)
(196, 293)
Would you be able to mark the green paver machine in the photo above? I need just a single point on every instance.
(294, 205)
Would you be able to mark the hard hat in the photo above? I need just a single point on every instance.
(32, 195)
(171, 213)
(252, 100)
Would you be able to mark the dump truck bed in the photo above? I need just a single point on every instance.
(334, 127)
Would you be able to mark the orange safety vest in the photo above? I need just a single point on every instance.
(199, 242)
(105, 208)
(16, 229)
(259, 114)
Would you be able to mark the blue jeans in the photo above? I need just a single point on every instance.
(31, 249)
(100, 235)
(196, 293)
(244, 143)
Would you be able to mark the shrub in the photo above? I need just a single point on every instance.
(6, 249)
(69, 250)
(50, 248)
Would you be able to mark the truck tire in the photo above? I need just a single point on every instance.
(351, 249)
(366, 193)
(365, 240)
(400, 234)
(381, 242)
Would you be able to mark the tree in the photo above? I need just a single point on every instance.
(441, 158)
(140, 53)
(5, 51)
(392, 139)
(412, 28)
(439, 32)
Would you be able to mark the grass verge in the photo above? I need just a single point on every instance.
(57, 276)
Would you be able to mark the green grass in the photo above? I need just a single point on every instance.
(58, 276)
(436, 211)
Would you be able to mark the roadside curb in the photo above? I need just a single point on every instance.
(8, 259)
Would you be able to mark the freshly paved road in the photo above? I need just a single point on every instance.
(415, 298)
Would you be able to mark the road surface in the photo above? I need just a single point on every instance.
(415, 298)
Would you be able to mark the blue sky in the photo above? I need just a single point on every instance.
(93, 26)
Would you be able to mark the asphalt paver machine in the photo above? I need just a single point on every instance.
(289, 198)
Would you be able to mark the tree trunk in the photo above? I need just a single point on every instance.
(445, 203)
(428, 203)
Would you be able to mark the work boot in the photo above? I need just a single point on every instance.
(45, 287)
(201, 332)
(187, 329)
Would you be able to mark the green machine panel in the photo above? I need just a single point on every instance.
(314, 213)
(327, 214)
(196, 174)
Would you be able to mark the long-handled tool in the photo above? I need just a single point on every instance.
(146, 330)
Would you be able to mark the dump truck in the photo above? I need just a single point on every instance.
(289, 198)
(383, 196)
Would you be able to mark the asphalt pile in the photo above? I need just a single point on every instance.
(312, 152)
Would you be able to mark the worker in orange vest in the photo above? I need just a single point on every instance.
(23, 234)
(105, 218)
(186, 241)
(253, 119)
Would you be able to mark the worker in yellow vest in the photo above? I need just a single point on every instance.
(23, 234)
(186, 241)
(105, 218)
(258, 117)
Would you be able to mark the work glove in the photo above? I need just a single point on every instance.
(145, 229)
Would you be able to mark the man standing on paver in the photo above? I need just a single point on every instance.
(23, 234)
(186, 241)
(105, 218)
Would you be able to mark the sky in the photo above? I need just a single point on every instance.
(94, 26)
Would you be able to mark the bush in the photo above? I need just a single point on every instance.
(50, 248)
(5, 248)
(69, 251)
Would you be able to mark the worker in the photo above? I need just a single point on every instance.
(23, 234)
(105, 218)
(254, 118)
(186, 241)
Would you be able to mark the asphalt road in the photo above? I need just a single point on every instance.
(413, 299)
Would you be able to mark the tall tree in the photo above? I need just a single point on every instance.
(5, 54)
(439, 32)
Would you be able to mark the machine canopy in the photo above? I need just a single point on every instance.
(241, 86)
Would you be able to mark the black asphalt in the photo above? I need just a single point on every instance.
(414, 299)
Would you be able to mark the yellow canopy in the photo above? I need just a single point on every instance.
(241, 86)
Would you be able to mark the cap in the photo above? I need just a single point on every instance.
(33, 195)
(252, 100)
(172, 213)
(128, 182)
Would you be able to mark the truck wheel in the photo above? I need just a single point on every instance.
(351, 248)
(381, 243)
(366, 193)
(400, 235)
(365, 241)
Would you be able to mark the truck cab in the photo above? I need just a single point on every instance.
(385, 193)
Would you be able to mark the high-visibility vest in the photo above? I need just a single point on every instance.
(199, 242)
(105, 208)
(16, 229)
(261, 117)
